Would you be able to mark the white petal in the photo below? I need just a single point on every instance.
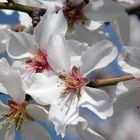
(35, 3)
(98, 101)
(10, 134)
(98, 56)
(122, 29)
(82, 129)
(13, 84)
(5, 133)
(5, 69)
(129, 60)
(51, 23)
(89, 134)
(20, 45)
(3, 37)
(58, 54)
(3, 107)
(37, 112)
(128, 68)
(21, 66)
(33, 131)
(104, 11)
(25, 19)
(80, 123)
(63, 111)
(53, 5)
(76, 47)
(44, 88)
(92, 25)
(84, 35)
(3, 89)
(76, 1)
(127, 95)
(76, 50)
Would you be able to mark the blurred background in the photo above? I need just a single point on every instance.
(123, 125)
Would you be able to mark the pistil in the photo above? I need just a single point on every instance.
(73, 82)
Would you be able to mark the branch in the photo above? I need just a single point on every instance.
(109, 81)
(33, 12)
(16, 7)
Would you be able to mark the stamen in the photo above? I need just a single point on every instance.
(73, 82)
(74, 13)
(39, 62)
(15, 116)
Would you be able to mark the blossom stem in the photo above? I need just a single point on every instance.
(109, 81)
(16, 7)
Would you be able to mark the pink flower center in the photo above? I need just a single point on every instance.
(73, 12)
(16, 115)
(74, 82)
(39, 61)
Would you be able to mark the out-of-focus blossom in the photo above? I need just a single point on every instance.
(134, 31)
(25, 19)
(127, 1)
(91, 14)
(18, 115)
(67, 90)
(35, 3)
(80, 125)
(129, 60)
(127, 96)
(4, 36)
(121, 27)
(128, 127)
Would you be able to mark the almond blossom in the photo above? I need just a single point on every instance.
(18, 115)
(68, 91)
(91, 14)
(128, 91)
(129, 60)
(3, 37)
(83, 130)
(35, 3)
(127, 96)
(30, 50)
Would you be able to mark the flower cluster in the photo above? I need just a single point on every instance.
(49, 74)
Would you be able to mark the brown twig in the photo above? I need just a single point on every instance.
(110, 81)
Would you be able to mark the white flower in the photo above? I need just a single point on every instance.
(30, 50)
(90, 15)
(19, 115)
(25, 19)
(83, 130)
(4, 72)
(4, 36)
(127, 1)
(127, 96)
(126, 123)
(67, 90)
(79, 11)
(129, 60)
(35, 3)
(121, 26)
(98, 10)
(134, 30)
